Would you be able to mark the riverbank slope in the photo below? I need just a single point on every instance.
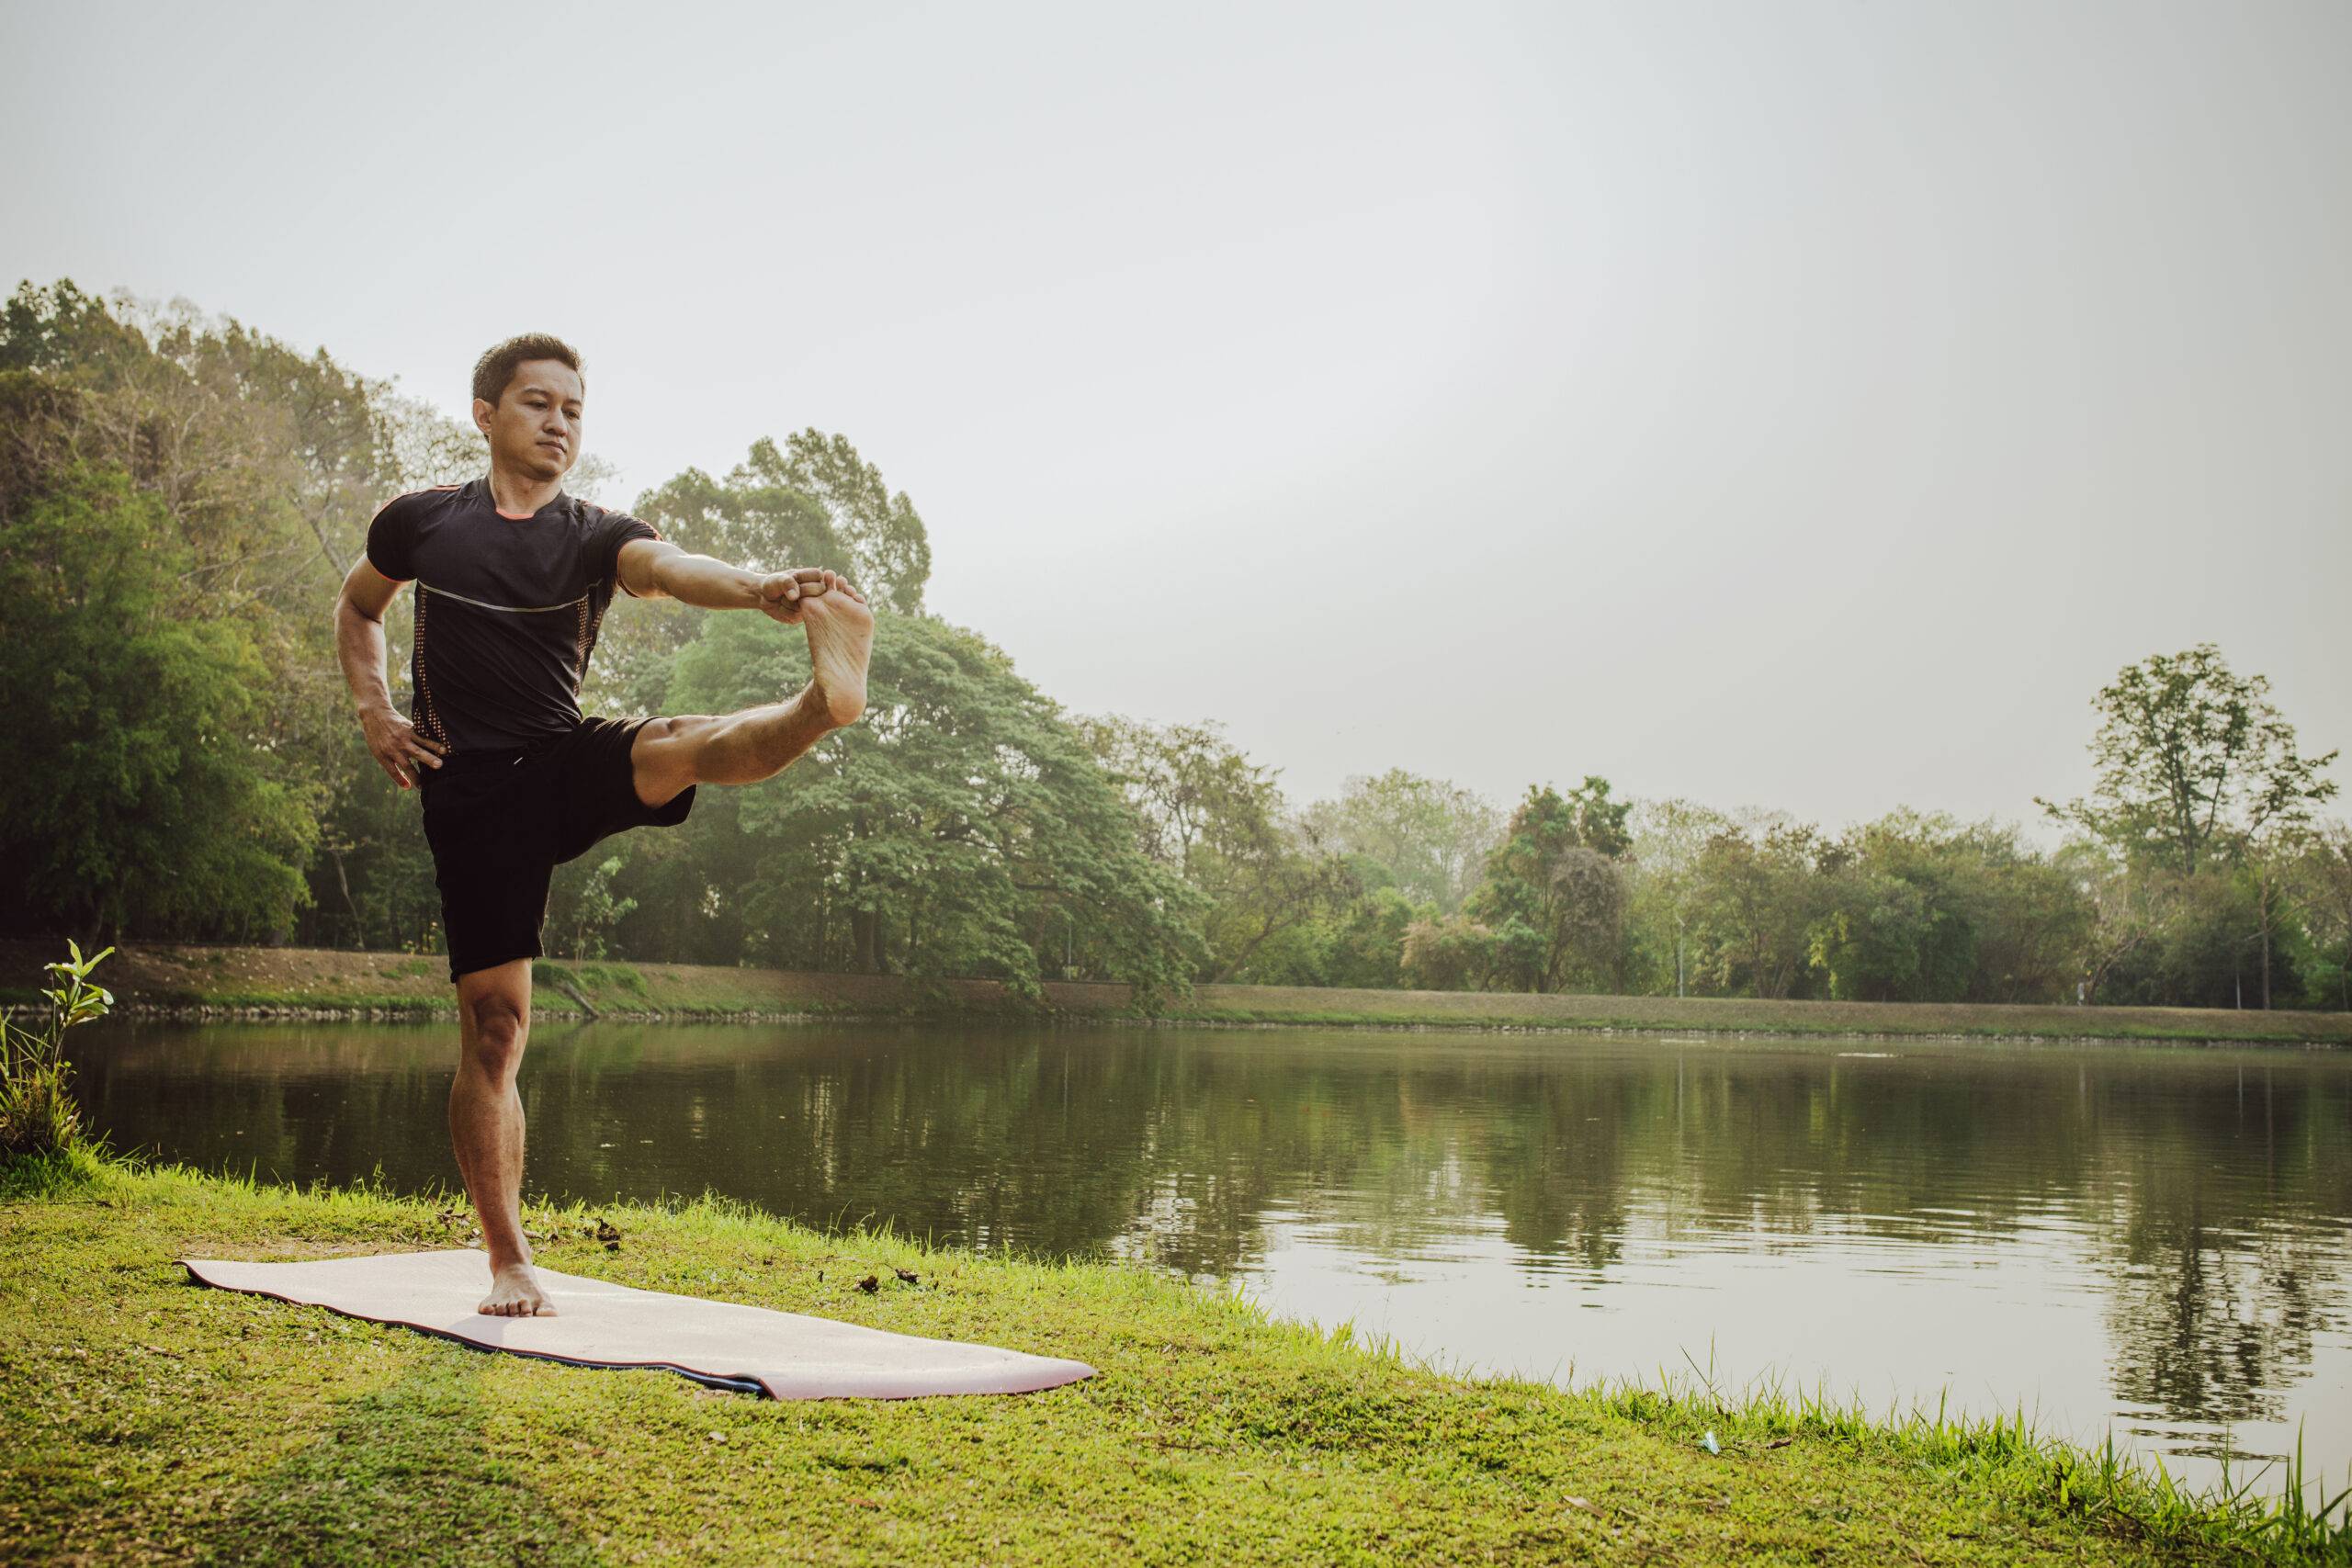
(191, 981)
(143, 1420)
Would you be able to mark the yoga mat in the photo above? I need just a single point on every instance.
(604, 1324)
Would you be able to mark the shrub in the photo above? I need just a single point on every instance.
(37, 1112)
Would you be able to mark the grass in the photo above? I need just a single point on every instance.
(144, 1420)
(1744, 1015)
(297, 982)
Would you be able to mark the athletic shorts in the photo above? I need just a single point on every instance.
(500, 822)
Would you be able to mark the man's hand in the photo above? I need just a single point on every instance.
(396, 745)
(784, 593)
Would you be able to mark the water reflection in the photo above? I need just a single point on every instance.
(2156, 1237)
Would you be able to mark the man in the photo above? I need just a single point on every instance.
(512, 578)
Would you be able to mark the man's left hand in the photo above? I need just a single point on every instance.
(784, 594)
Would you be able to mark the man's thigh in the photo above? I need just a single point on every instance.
(589, 785)
(494, 865)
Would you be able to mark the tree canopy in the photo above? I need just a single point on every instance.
(180, 497)
(2193, 761)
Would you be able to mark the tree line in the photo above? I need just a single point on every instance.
(180, 496)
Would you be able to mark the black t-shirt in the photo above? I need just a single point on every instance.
(506, 608)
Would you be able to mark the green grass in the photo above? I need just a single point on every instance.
(1744, 1015)
(145, 1420)
(295, 981)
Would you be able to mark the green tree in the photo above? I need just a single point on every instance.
(1367, 940)
(1668, 838)
(1205, 810)
(1432, 836)
(2206, 952)
(2323, 900)
(263, 465)
(963, 829)
(1759, 899)
(889, 549)
(584, 903)
(142, 791)
(2192, 759)
(1553, 899)
(1449, 952)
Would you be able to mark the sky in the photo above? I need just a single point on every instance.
(1807, 406)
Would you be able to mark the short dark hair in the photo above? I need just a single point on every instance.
(496, 368)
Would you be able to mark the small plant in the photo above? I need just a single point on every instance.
(37, 1112)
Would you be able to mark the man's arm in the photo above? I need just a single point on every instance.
(656, 569)
(359, 643)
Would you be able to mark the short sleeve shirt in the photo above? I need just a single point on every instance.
(507, 608)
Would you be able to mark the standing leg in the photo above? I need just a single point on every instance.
(486, 1124)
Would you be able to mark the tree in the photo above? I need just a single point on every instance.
(1756, 907)
(963, 829)
(1204, 809)
(2324, 897)
(890, 550)
(1668, 838)
(141, 790)
(589, 909)
(1366, 945)
(812, 502)
(2130, 909)
(1431, 835)
(1553, 899)
(2270, 862)
(2192, 759)
(1448, 954)
(257, 468)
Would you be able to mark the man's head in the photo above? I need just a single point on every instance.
(527, 397)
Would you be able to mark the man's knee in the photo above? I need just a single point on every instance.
(665, 755)
(500, 1027)
(671, 734)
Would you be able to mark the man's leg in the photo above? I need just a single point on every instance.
(486, 1124)
(670, 754)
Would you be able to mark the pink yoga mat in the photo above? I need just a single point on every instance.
(602, 1325)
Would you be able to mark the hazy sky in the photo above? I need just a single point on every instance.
(1800, 405)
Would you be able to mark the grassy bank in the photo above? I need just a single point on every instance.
(145, 1420)
(300, 982)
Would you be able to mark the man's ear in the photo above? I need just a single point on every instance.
(483, 413)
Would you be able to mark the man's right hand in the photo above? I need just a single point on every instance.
(396, 745)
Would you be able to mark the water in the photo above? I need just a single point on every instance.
(2152, 1240)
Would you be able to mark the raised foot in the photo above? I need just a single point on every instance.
(515, 1292)
(841, 640)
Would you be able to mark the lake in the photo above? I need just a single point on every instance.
(2149, 1239)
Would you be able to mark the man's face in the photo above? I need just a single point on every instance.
(534, 426)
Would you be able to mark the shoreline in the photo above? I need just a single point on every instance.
(186, 983)
(141, 1414)
(211, 1013)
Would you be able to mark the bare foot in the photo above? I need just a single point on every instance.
(841, 639)
(515, 1292)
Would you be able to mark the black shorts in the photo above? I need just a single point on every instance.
(500, 822)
